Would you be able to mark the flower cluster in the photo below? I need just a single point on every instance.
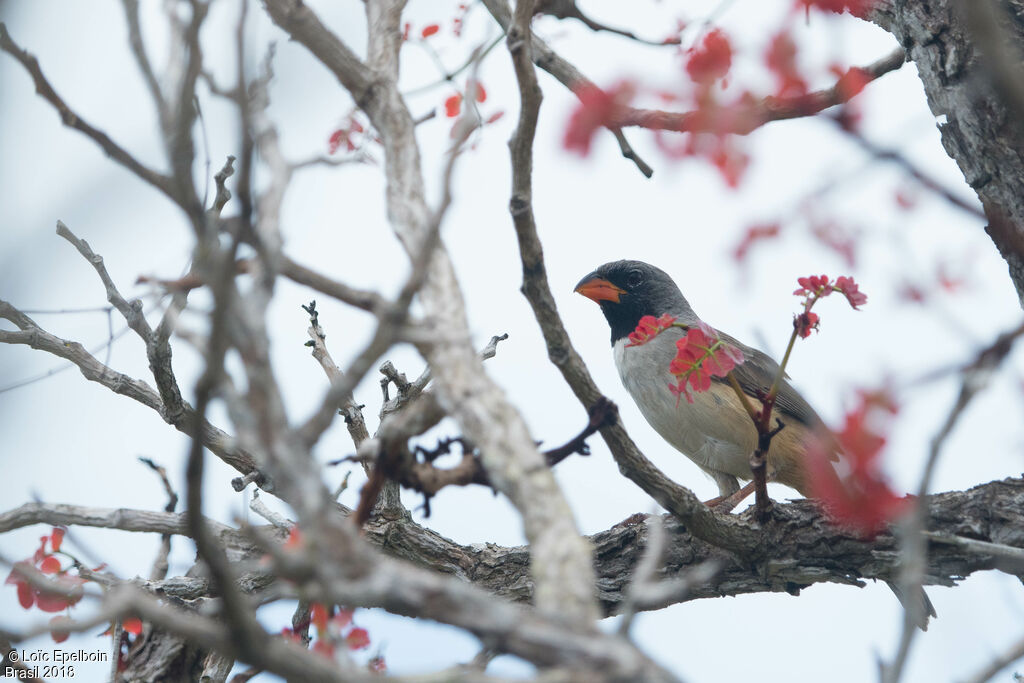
(701, 355)
(650, 327)
(334, 625)
(862, 500)
(815, 287)
(349, 135)
(67, 588)
(711, 59)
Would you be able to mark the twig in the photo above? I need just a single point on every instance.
(1012, 654)
(72, 119)
(350, 409)
(260, 508)
(366, 300)
(160, 564)
(915, 551)
(568, 9)
(972, 208)
(644, 572)
(1014, 556)
(567, 74)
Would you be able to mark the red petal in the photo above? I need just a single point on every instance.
(481, 94)
(51, 603)
(133, 625)
(26, 596)
(357, 639)
(56, 538)
(343, 617)
(430, 30)
(324, 648)
(318, 614)
(453, 105)
(59, 635)
(50, 565)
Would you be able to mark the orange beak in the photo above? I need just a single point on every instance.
(598, 289)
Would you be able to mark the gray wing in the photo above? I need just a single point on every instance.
(755, 377)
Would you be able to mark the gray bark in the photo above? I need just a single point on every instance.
(968, 55)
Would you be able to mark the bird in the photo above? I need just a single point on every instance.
(715, 430)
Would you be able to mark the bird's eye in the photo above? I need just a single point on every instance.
(634, 278)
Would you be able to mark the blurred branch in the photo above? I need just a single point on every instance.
(568, 9)
(748, 118)
(917, 174)
(71, 119)
(1011, 655)
(632, 463)
(30, 334)
(567, 74)
(915, 546)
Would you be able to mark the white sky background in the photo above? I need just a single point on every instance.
(67, 440)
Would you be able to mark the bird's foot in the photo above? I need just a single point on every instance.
(728, 503)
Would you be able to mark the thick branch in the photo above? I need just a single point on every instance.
(969, 531)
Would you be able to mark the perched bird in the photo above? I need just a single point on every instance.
(714, 431)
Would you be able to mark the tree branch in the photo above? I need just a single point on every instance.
(71, 119)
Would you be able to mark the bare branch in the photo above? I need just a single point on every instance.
(73, 120)
(1011, 655)
(567, 74)
(30, 334)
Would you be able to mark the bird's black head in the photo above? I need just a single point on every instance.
(629, 290)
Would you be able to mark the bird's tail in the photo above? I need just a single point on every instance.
(917, 604)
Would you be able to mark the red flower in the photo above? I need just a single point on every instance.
(56, 538)
(357, 639)
(481, 94)
(805, 322)
(648, 328)
(324, 648)
(813, 285)
(52, 602)
(863, 500)
(711, 59)
(133, 625)
(342, 618)
(318, 614)
(49, 565)
(851, 290)
(701, 355)
(597, 108)
(781, 59)
(453, 105)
